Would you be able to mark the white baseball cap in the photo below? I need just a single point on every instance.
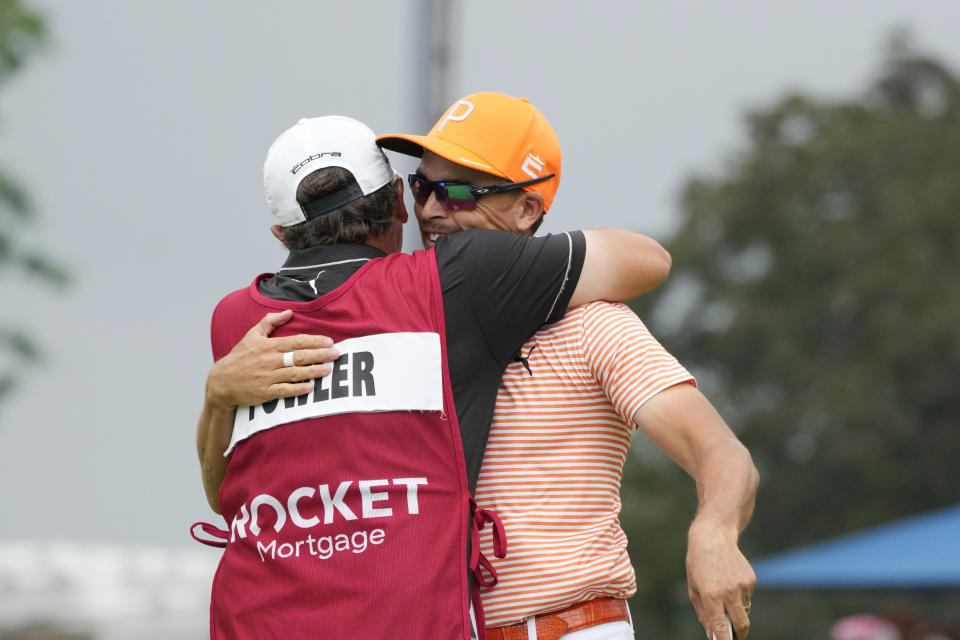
(317, 143)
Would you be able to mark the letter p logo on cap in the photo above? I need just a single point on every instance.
(453, 115)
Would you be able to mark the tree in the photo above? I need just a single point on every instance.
(21, 32)
(816, 294)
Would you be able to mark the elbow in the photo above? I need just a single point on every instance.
(664, 262)
(753, 483)
(212, 492)
(751, 474)
(654, 265)
(213, 499)
(754, 476)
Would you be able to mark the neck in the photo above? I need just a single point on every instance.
(384, 243)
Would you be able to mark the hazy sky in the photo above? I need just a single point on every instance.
(140, 134)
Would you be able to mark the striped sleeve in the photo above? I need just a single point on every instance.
(630, 364)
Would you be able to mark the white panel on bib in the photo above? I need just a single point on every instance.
(382, 372)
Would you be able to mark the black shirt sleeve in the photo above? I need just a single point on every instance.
(513, 284)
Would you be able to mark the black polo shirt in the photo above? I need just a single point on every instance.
(498, 289)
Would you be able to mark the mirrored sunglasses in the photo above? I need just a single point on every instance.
(457, 196)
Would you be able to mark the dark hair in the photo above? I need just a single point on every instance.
(356, 221)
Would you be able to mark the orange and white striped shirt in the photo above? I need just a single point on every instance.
(554, 460)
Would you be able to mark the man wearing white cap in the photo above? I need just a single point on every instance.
(348, 503)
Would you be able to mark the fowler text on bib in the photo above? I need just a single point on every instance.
(382, 372)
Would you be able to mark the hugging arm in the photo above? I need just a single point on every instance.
(251, 373)
(720, 580)
(619, 265)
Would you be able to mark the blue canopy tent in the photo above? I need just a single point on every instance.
(918, 552)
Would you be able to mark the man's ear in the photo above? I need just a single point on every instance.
(277, 232)
(531, 210)
(401, 211)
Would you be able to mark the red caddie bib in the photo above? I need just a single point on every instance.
(348, 507)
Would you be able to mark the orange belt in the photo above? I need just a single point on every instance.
(551, 626)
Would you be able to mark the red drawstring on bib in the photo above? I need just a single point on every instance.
(482, 569)
(218, 537)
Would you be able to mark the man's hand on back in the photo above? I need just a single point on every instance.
(254, 371)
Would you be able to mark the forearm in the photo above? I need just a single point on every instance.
(682, 422)
(214, 430)
(727, 484)
(619, 265)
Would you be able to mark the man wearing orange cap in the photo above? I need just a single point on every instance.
(567, 406)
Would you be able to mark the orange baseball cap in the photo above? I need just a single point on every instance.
(494, 133)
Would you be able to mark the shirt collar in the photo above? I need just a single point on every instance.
(328, 255)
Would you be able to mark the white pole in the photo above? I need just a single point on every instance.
(429, 79)
(434, 53)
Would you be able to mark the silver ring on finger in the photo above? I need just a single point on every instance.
(288, 358)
